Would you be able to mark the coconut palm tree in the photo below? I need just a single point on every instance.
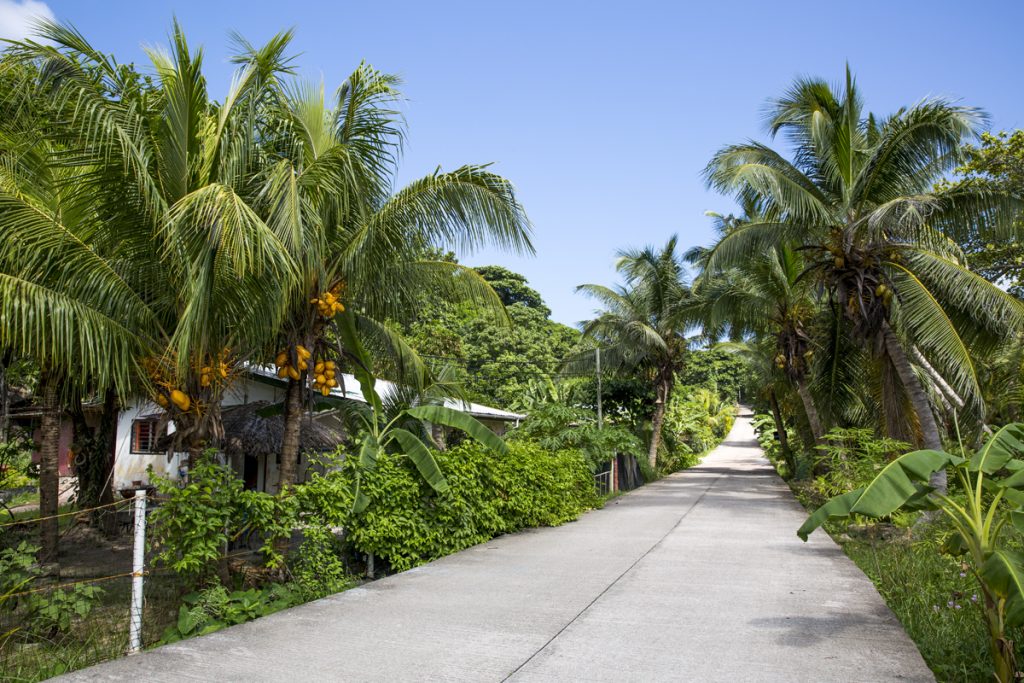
(766, 297)
(858, 199)
(357, 245)
(643, 324)
(172, 175)
(69, 299)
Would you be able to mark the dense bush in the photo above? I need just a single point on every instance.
(407, 524)
(556, 427)
(194, 523)
(16, 469)
(317, 567)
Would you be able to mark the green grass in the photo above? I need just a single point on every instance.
(933, 597)
(929, 592)
(932, 594)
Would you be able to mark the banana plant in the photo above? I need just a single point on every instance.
(993, 483)
(381, 429)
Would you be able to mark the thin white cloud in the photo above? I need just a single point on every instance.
(17, 18)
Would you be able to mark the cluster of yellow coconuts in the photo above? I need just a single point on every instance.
(167, 393)
(323, 377)
(324, 371)
(328, 303)
(285, 369)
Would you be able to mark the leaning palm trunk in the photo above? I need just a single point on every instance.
(663, 393)
(49, 463)
(930, 437)
(813, 418)
(780, 429)
(292, 432)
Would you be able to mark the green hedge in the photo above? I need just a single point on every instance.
(407, 524)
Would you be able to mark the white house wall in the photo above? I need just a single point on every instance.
(132, 469)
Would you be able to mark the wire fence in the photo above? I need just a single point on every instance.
(100, 598)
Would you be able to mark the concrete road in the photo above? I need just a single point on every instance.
(698, 577)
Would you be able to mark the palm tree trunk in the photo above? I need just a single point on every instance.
(780, 429)
(5, 397)
(813, 418)
(663, 392)
(49, 464)
(292, 432)
(930, 437)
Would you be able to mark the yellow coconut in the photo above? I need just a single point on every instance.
(180, 399)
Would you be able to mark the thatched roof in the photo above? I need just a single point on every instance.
(246, 432)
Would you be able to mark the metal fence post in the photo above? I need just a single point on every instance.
(138, 569)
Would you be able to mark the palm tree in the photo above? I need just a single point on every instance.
(172, 176)
(642, 327)
(858, 200)
(766, 297)
(357, 246)
(70, 300)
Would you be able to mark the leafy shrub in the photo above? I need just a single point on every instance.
(408, 524)
(16, 464)
(696, 420)
(558, 427)
(850, 458)
(214, 608)
(192, 527)
(44, 613)
(798, 466)
(317, 568)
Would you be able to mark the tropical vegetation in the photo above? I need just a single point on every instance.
(159, 244)
(862, 285)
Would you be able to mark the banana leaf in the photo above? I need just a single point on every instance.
(1014, 481)
(954, 545)
(368, 452)
(422, 458)
(899, 482)
(1003, 572)
(459, 420)
(362, 364)
(999, 450)
(1017, 519)
(837, 507)
(1010, 495)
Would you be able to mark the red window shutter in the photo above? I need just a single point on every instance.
(143, 436)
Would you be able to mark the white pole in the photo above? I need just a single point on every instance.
(138, 568)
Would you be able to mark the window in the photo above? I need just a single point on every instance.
(145, 436)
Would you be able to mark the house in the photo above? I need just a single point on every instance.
(252, 432)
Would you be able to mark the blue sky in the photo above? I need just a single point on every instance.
(602, 114)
